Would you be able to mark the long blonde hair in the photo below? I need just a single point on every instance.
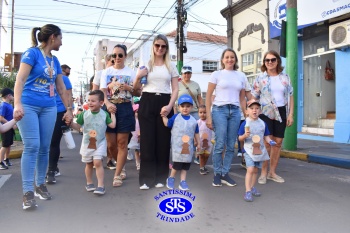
(166, 56)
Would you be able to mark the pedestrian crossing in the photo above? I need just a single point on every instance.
(3, 179)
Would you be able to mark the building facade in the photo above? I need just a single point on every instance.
(323, 38)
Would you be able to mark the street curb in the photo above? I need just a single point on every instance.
(336, 162)
(294, 155)
(16, 154)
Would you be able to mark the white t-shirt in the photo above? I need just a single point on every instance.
(158, 81)
(97, 78)
(277, 90)
(111, 79)
(229, 83)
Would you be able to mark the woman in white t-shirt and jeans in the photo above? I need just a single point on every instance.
(158, 98)
(224, 116)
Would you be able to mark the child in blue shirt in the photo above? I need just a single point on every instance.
(184, 129)
(253, 131)
(6, 115)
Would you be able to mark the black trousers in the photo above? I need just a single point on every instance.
(154, 139)
(56, 141)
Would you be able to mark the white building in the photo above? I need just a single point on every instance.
(103, 47)
(203, 54)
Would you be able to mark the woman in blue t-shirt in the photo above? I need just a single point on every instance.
(35, 108)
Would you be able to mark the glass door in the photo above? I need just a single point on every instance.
(319, 93)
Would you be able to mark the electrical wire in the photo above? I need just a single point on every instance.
(137, 20)
(97, 26)
(123, 11)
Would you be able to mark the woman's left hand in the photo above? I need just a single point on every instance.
(165, 110)
(290, 120)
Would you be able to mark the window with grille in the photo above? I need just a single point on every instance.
(210, 66)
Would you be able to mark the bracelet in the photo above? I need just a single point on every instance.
(69, 108)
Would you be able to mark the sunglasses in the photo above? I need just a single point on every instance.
(161, 46)
(272, 60)
(120, 55)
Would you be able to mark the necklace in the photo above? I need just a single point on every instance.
(50, 69)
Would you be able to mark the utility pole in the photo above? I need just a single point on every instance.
(12, 21)
(290, 141)
(179, 35)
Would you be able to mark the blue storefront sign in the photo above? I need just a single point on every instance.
(309, 12)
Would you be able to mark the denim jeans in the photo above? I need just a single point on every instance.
(36, 129)
(226, 121)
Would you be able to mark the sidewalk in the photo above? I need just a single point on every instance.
(327, 153)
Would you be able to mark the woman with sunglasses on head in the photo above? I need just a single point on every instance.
(158, 98)
(120, 104)
(224, 117)
(274, 92)
(109, 61)
(35, 108)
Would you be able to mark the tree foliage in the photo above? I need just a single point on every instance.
(7, 80)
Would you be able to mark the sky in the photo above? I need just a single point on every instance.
(85, 22)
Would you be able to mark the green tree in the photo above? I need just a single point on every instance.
(7, 80)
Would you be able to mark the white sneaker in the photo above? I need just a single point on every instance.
(130, 155)
(159, 185)
(144, 187)
(239, 154)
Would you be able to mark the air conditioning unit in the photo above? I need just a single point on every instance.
(173, 57)
(339, 35)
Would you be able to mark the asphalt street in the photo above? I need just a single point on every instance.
(314, 198)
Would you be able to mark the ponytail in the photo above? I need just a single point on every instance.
(34, 39)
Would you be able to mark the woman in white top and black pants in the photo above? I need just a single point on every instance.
(158, 98)
(229, 85)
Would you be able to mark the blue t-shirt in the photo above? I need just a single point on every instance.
(172, 119)
(36, 90)
(241, 130)
(60, 105)
(6, 110)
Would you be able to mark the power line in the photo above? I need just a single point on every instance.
(75, 23)
(137, 21)
(127, 12)
(205, 24)
(97, 27)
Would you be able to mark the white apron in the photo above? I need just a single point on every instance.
(256, 128)
(180, 128)
(95, 122)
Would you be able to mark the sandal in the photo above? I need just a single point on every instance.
(117, 181)
(123, 174)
